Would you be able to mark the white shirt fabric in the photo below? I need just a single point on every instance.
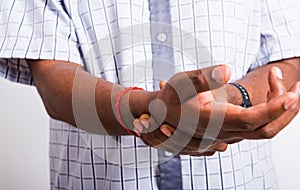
(243, 34)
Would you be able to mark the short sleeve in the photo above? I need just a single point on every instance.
(280, 30)
(35, 29)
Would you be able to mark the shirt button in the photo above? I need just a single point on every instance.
(162, 37)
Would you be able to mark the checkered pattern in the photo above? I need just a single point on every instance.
(242, 34)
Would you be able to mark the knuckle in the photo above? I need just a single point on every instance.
(247, 123)
(247, 126)
(272, 116)
(222, 148)
(199, 80)
(267, 133)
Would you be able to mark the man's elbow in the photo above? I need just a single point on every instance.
(54, 82)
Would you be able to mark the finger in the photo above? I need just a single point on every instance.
(162, 83)
(188, 84)
(198, 154)
(137, 127)
(193, 143)
(167, 130)
(234, 118)
(156, 140)
(185, 141)
(179, 139)
(271, 130)
(178, 145)
(247, 120)
(145, 117)
(214, 146)
(276, 84)
(149, 123)
(144, 120)
(217, 147)
(221, 147)
(140, 124)
(232, 140)
(209, 78)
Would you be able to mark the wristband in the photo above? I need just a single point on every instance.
(245, 96)
(117, 105)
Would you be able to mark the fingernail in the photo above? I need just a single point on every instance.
(166, 131)
(290, 103)
(278, 73)
(138, 127)
(217, 74)
(145, 123)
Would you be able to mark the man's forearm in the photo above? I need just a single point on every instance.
(256, 81)
(74, 96)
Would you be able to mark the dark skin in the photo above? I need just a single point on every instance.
(55, 83)
(240, 123)
(55, 80)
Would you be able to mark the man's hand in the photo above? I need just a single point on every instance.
(259, 122)
(279, 110)
(202, 116)
(180, 88)
(177, 104)
(160, 138)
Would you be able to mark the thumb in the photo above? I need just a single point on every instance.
(188, 84)
(275, 80)
(209, 78)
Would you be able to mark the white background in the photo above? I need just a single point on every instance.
(24, 143)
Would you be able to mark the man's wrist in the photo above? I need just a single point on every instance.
(133, 104)
(244, 94)
(139, 102)
(233, 95)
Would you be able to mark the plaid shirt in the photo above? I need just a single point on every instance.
(242, 34)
